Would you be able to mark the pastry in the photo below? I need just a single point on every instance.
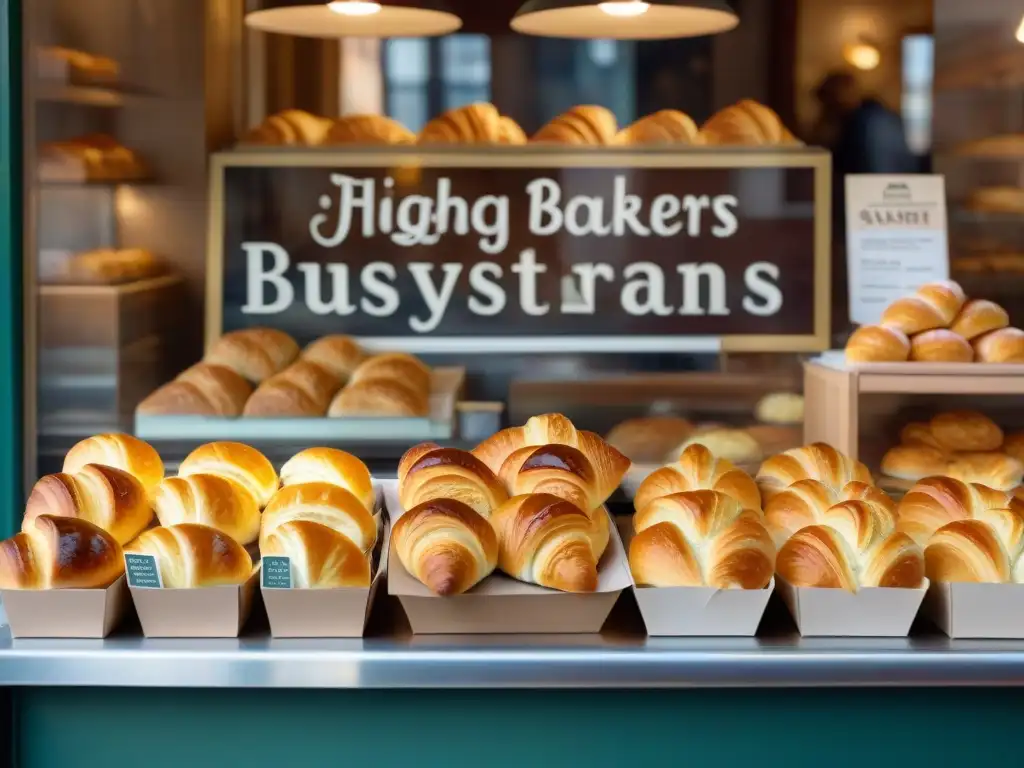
(380, 398)
(985, 549)
(104, 496)
(1001, 199)
(934, 305)
(95, 157)
(547, 541)
(819, 462)
(735, 445)
(290, 127)
(321, 558)
(255, 353)
(108, 266)
(558, 470)
(129, 454)
(914, 462)
(669, 126)
(937, 501)
(191, 556)
(855, 546)
(919, 433)
(991, 468)
(239, 463)
(329, 465)
(67, 64)
(445, 545)
(649, 439)
(510, 132)
(966, 431)
(209, 500)
(1003, 346)
(746, 123)
(322, 503)
(472, 124)
(698, 470)
(780, 408)
(804, 503)
(585, 125)
(1013, 445)
(979, 317)
(339, 355)
(368, 129)
(940, 346)
(403, 368)
(428, 472)
(202, 390)
(303, 389)
(877, 344)
(60, 553)
(701, 539)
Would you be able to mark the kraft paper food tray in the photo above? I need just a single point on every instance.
(66, 613)
(697, 611)
(502, 605)
(439, 425)
(977, 611)
(869, 612)
(207, 612)
(836, 360)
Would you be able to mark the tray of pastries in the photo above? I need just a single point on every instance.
(72, 67)
(93, 158)
(103, 266)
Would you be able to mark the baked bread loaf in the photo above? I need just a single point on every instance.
(938, 501)
(547, 541)
(1013, 445)
(586, 125)
(966, 431)
(819, 462)
(746, 123)
(919, 433)
(104, 496)
(914, 462)
(329, 465)
(993, 469)
(202, 390)
(979, 317)
(381, 397)
(934, 305)
(60, 553)
(255, 354)
(428, 472)
(855, 546)
(985, 549)
(698, 470)
(557, 470)
(129, 454)
(649, 439)
(290, 127)
(940, 346)
(208, 500)
(95, 157)
(445, 545)
(338, 355)
(105, 266)
(399, 366)
(192, 556)
(321, 558)
(1003, 346)
(68, 65)
(701, 539)
(303, 389)
(804, 504)
(735, 445)
(877, 344)
(322, 503)
(237, 462)
(780, 408)
(669, 126)
(472, 124)
(368, 129)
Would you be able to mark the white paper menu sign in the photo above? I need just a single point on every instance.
(897, 239)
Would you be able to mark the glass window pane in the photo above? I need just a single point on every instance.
(466, 59)
(407, 61)
(408, 105)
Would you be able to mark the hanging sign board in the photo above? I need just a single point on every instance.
(524, 249)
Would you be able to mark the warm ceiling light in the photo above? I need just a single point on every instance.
(863, 56)
(624, 19)
(1020, 32)
(355, 18)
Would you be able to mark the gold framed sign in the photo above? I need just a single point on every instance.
(525, 249)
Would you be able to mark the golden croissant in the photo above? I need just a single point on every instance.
(819, 462)
(202, 390)
(60, 553)
(585, 125)
(129, 454)
(210, 500)
(937, 501)
(256, 354)
(472, 124)
(805, 502)
(428, 472)
(559, 470)
(984, 549)
(330, 465)
(697, 470)
(192, 556)
(242, 464)
(323, 503)
(321, 558)
(668, 126)
(368, 129)
(746, 123)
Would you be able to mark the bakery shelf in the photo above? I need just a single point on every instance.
(971, 216)
(91, 96)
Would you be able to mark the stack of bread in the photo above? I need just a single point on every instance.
(106, 266)
(96, 157)
(67, 65)
(938, 324)
(965, 445)
(528, 501)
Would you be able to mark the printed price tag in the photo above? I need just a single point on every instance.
(277, 572)
(142, 571)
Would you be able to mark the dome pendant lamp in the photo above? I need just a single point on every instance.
(624, 19)
(355, 18)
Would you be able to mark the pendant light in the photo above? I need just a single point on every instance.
(624, 19)
(356, 18)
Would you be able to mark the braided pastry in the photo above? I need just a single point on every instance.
(428, 472)
(323, 503)
(60, 553)
(937, 501)
(819, 462)
(805, 502)
(985, 549)
(697, 469)
(559, 470)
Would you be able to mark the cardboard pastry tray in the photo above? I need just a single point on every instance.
(439, 425)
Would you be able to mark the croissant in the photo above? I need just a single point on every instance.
(669, 126)
(129, 454)
(746, 123)
(805, 502)
(368, 129)
(209, 500)
(472, 124)
(301, 389)
(321, 558)
(697, 470)
(104, 496)
(819, 462)
(559, 470)
(255, 354)
(329, 465)
(382, 397)
(403, 368)
(985, 549)
(202, 390)
(60, 553)
(547, 541)
(584, 125)
(428, 472)
(855, 546)
(445, 545)
(938, 501)
(192, 556)
(289, 127)
(321, 503)
(701, 539)
(338, 355)
(510, 132)
(237, 462)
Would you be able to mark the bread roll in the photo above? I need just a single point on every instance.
(938, 501)
(557, 470)
(368, 129)
(322, 503)
(191, 556)
(472, 124)
(208, 500)
(60, 553)
(1003, 346)
(979, 317)
(669, 126)
(403, 368)
(966, 431)
(202, 390)
(321, 558)
(877, 344)
(940, 346)
(129, 454)
(819, 462)
(584, 125)
(338, 355)
(697, 470)
(701, 539)
(104, 496)
(303, 389)
(1013, 445)
(329, 465)
(255, 354)
(735, 445)
(805, 503)
(445, 545)
(384, 397)
(650, 438)
(985, 549)
(993, 469)
(428, 472)
(919, 433)
(290, 127)
(914, 462)
(780, 408)
(239, 463)
(746, 123)
(934, 305)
